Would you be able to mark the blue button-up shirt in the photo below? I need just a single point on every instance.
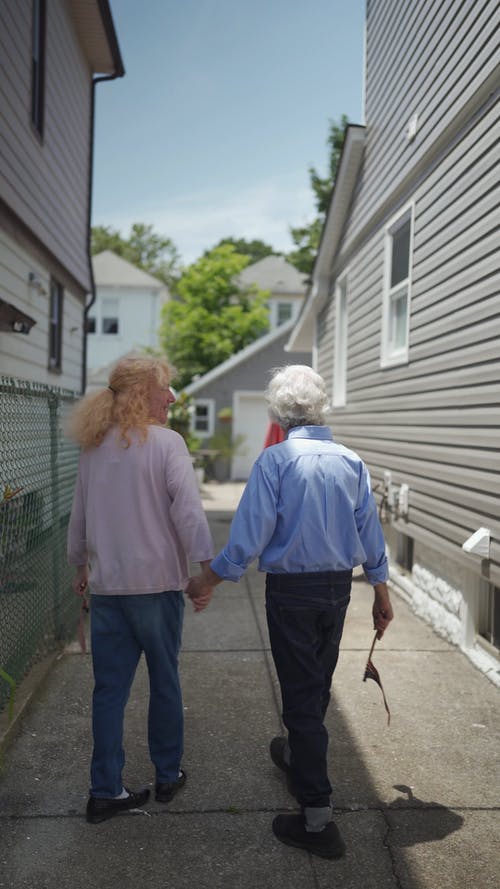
(307, 506)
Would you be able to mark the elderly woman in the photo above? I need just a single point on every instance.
(309, 515)
(136, 520)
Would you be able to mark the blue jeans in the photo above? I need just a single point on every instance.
(305, 616)
(122, 627)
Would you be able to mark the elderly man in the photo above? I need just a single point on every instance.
(308, 513)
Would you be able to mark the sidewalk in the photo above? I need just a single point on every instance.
(417, 802)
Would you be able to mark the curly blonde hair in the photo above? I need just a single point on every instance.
(125, 403)
(296, 396)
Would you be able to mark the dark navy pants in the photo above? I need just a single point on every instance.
(305, 616)
(122, 627)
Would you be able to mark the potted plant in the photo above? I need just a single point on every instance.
(226, 446)
(225, 415)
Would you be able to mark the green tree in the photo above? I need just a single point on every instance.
(255, 249)
(211, 317)
(144, 248)
(307, 237)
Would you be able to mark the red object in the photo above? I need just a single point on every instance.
(274, 435)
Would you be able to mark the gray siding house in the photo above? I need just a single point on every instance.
(237, 386)
(404, 307)
(51, 51)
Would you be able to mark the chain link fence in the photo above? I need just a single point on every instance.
(38, 611)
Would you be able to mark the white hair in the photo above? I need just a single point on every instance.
(296, 396)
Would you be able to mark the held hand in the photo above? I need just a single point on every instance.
(199, 592)
(382, 609)
(80, 581)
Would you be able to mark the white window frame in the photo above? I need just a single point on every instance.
(210, 404)
(390, 355)
(274, 304)
(315, 349)
(339, 395)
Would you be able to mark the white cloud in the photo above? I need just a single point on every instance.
(197, 221)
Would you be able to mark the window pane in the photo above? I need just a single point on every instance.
(400, 261)
(55, 325)
(110, 325)
(37, 63)
(91, 326)
(398, 322)
(201, 418)
(284, 312)
(110, 316)
(488, 622)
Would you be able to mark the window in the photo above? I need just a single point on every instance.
(397, 287)
(340, 354)
(203, 417)
(38, 64)
(91, 324)
(404, 551)
(55, 325)
(284, 313)
(110, 322)
(489, 613)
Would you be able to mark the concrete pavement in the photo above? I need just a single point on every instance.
(417, 802)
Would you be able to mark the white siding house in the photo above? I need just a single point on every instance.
(125, 316)
(51, 52)
(404, 308)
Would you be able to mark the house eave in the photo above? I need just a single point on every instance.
(345, 183)
(96, 31)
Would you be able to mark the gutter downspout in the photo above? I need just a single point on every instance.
(86, 308)
(119, 71)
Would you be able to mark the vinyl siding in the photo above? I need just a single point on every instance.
(435, 421)
(429, 58)
(45, 182)
(26, 356)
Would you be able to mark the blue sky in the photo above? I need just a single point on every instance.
(224, 106)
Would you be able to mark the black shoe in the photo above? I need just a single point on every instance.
(166, 792)
(290, 829)
(277, 749)
(102, 809)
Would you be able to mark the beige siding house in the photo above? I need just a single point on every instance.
(285, 284)
(51, 52)
(404, 308)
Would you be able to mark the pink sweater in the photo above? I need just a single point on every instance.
(137, 517)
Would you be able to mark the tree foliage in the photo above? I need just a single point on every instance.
(211, 317)
(144, 248)
(307, 237)
(255, 249)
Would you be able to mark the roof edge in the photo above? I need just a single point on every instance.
(260, 343)
(111, 36)
(340, 201)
